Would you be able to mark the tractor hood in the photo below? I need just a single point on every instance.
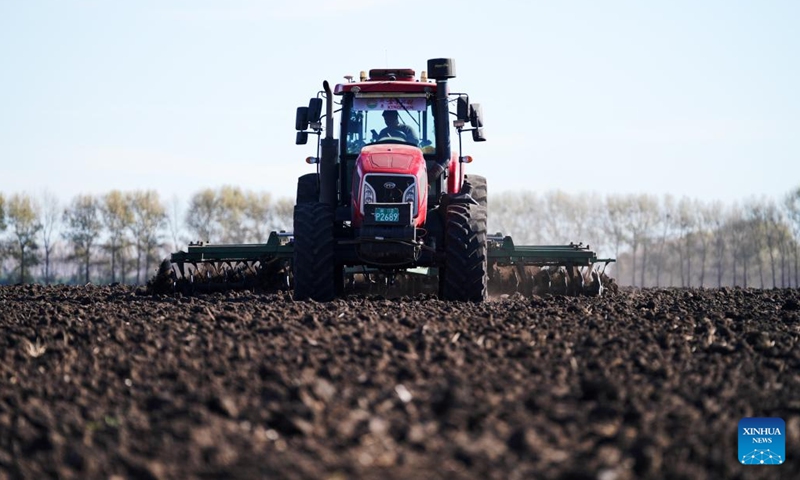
(391, 159)
(390, 165)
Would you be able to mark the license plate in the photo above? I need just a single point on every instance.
(387, 215)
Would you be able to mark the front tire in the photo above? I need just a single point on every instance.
(314, 247)
(463, 277)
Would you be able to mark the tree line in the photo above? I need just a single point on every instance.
(657, 240)
(663, 241)
(121, 236)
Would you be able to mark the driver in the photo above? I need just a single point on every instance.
(396, 129)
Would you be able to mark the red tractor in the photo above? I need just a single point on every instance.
(390, 199)
(390, 194)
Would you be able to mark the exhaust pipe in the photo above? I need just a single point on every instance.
(329, 154)
(442, 69)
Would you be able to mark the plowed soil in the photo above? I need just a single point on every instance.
(99, 382)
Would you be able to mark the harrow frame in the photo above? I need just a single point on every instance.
(224, 261)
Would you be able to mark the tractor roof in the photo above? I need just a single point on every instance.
(391, 80)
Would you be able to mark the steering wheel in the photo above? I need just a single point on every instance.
(392, 133)
(394, 140)
(393, 136)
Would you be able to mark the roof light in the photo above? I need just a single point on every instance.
(391, 74)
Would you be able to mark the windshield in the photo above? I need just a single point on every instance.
(397, 119)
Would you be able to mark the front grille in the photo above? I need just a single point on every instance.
(381, 184)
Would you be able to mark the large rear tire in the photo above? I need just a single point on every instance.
(463, 277)
(308, 188)
(477, 185)
(314, 248)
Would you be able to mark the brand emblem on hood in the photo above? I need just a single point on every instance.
(389, 185)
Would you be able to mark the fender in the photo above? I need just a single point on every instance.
(455, 174)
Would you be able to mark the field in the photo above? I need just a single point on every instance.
(99, 382)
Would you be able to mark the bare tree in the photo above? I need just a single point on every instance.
(23, 217)
(719, 216)
(557, 216)
(687, 223)
(283, 212)
(51, 214)
(615, 224)
(518, 213)
(2, 227)
(82, 228)
(258, 213)
(231, 214)
(665, 216)
(705, 219)
(792, 206)
(736, 237)
(785, 246)
(202, 214)
(640, 214)
(117, 218)
(759, 215)
(573, 217)
(2, 213)
(174, 223)
(149, 217)
(754, 225)
(594, 218)
(770, 217)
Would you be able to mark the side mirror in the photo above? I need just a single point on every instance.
(476, 115)
(301, 138)
(301, 119)
(314, 110)
(476, 120)
(462, 109)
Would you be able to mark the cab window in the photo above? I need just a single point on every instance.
(401, 119)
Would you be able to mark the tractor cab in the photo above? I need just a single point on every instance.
(388, 116)
(387, 107)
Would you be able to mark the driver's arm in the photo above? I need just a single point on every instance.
(411, 134)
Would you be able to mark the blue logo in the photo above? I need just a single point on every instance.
(762, 441)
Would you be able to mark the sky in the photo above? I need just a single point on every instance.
(697, 99)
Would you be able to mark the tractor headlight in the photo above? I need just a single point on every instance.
(410, 196)
(369, 194)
